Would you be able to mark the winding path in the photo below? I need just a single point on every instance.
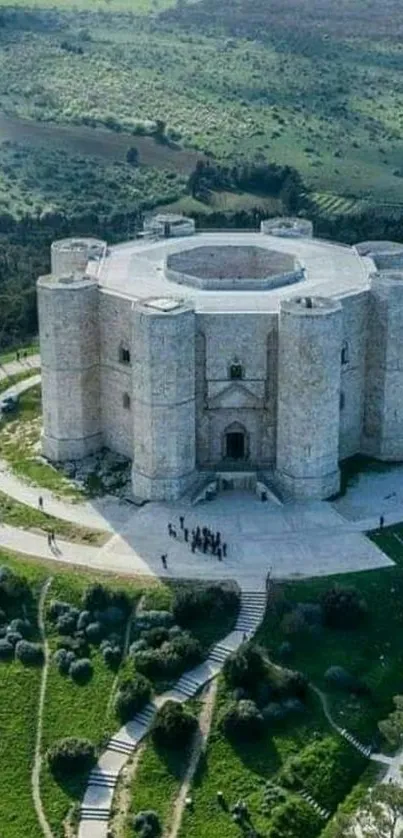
(36, 768)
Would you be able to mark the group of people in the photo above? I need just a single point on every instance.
(200, 538)
(19, 355)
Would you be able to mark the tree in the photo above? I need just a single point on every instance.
(343, 608)
(173, 725)
(392, 727)
(379, 816)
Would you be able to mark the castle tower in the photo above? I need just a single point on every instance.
(69, 346)
(383, 412)
(163, 351)
(310, 335)
(73, 255)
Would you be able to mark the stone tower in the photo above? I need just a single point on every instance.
(163, 352)
(310, 336)
(383, 414)
(69, 346)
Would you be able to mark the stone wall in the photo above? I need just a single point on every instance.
(352, 386)
(116, 376)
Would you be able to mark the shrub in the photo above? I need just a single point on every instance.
(312, 612)
(131, 697)
(295, 817)
(13, 637)
(274, 712)
(96, 598)
(81, 670)
(6, 650)
(193, 603)
(3, 617)
(338, 677)
(242, 720)
(24, 627)
(293, 622)
(285, 650)
(71, 756)
(151, 619)
(112, 656)
(84, 619)
(77, 644)
(66, 623)
(30, 654)
(57, 608)
(137, 646)
(63, 659)
(12, 587)
(147, 824)
(294, 705)
(156, 636)
(173, 725)
(113, 616)
(94, 632)
(245, 667)
(343, 608)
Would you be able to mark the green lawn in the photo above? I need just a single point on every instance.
(11, 380)
(26, 517)
(10, 355)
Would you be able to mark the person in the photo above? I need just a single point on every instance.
(219, 554)
(193, 546)
(40, 502)
(17, 357)
(173, 532)
(25, 354)
(181, 521)
(164, 561)
(186, 534)
(224, 549)
(49, 539)
(381, 522)
(53, 537)
(169, 529)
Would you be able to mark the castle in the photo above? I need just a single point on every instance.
(266, 355)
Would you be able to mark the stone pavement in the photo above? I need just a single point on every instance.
(293, 541)
(16, 367)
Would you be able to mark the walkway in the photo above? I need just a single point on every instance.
(36, 769)
(21, 386)
(17, 367)
(97, 803)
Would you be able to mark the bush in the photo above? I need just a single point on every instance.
(23, 627)
(155, 637)
(152, 619)
(3, 617)
(274, 712)
(113, 616)
(343, 608)
(137, 646)
(77, 644)
(112, 656)
(63, 659)
(57, 608)
(94, 632)
(193, 603)
(147, 824)
(30, 654)
(285, 650)
(71, 756)
(66, 623)
(131, 697)
(173, 725)
(84, 619)
(295, 817)
(81, 671)
(242, 720)
(338, 677)
(96, 598)
(245, 667)
(13, 588)
(6, 650)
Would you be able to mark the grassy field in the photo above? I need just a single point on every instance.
(25, 517)
(332, 108)
(30, 348)
(12, 380)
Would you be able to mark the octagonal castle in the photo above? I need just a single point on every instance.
(271, 355)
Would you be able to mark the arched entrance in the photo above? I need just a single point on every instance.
(235, 443)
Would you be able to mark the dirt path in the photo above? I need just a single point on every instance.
(123, 794)
(36, 769)
(199, 746)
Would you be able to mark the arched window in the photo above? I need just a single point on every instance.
(236, 371)
(345, 353)
(126, 401)
(124, 354)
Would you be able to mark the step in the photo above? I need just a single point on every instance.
(91, 813)
(184, 691)
(120, 746)
(100, 772)
(191, 682)
(219, 657)
(105, 782)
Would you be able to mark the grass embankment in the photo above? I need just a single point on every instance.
(19, 446)
(12, 380)
(11, 354)
(26, 517)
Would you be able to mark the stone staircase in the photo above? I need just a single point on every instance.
(97, 803)
(323, 813)
(365, 750)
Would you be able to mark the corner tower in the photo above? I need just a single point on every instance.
(310, 335)
(383, 413)
(163, 349)
(69, 346)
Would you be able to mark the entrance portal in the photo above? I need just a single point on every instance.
(235, 445)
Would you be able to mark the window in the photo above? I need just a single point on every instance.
(126, 401)
(342, 401)
(124, 355)
(345, 354)
(235, 371)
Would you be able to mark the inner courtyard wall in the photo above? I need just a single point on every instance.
(352, 368)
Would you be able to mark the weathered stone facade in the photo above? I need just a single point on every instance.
(189, 378)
